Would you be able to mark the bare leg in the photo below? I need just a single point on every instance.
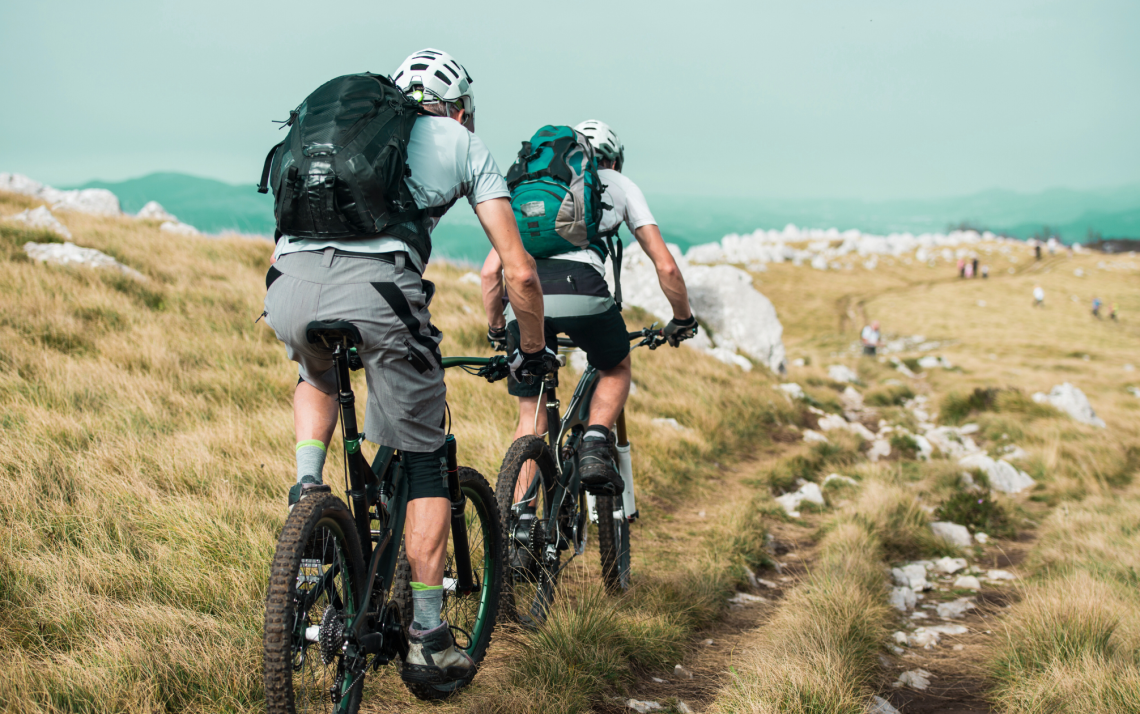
(610, 394)
(314, 413)
(425, 538)
(527, 407)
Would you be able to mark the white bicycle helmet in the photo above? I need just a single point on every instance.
(431, 75)
(604, 140)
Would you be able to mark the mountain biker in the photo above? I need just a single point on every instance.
(376, 284)
(578, 302)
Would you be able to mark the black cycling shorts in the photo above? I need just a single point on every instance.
(603, 337)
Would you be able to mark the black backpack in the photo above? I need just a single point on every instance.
(339, 174)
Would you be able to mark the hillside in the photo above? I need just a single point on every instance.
(146, 450)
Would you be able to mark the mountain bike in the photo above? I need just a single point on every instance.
(329, 618)
(560, 507)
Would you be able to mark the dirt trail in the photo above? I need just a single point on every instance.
(714, 648)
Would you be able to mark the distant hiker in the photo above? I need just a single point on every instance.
(1112, 315)
(1096, 307)
(969, 270)
(1038, 296)
(562, 167)
(871, 338)
(961, 267)
(369, 167)
(975, 271)
(985, 272)
(1037, 249)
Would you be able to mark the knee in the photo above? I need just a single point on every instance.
(622, 369)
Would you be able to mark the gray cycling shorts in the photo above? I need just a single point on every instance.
(400, 349)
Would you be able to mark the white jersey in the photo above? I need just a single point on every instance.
(870, 335)
(629, 207)
(447, 162)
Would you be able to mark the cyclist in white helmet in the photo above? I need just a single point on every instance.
(578, 302)
(376, 283)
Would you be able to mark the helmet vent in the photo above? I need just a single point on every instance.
(443, 77)
(419, 66)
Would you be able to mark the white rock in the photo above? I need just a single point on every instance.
(471, 278)
(814, 436)
(841, 373)
(745, 599)
(643, 707)
(577, 359)
(1000, 575)
(878, 705)
(792, 389)
(153, 211)
(722, 297)
(918, 615)
(96, 201)
(956, 534)
(73, 255)
(915, 679)
(670, 423)
(809, 492)
(41, 218)
(798, 362)
(179, 228)
(924, 638)
(842, 479)
(982, 538)
(851, 399)
(683, 708)
(1073, 402)
(902, 598)
(955, 608)
(952, 441)
(969, 429)
(899, 637)
(1003, 476)
(912, 575)
(949, 566)
(680, 671)
(949, 629)
(880, 448)
(968, 582)
(1134, 391)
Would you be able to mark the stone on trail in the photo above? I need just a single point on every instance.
(899, 637)
(915, 679)
(949, 629)
(923, 637)
(955, 608)
(968, 582)
(814, 436)
(982, 538)
(809, 492)
(851, 399)
(1000, 575)
(680, 671)
(683, 708)
(878, 705)
(69, 254)
(842, 479)
(792, 389)
(43, 219)
(912, 575)
(902, 598)
(953, 533)
(1073, 402)
(153, 211)
(949, 566)
(644, 707)
(841, 373)
(1003, 476)
(880, 449)
(744, 599)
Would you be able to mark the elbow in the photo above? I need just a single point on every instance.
(669, 272)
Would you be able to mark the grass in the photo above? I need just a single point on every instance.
(146, 451)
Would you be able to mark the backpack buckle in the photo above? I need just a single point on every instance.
(315, 150)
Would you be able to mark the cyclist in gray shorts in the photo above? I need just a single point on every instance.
(376, 284)
(578, 303)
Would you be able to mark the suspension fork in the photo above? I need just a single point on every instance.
(353, 457)
(464, 576)
(622, 438)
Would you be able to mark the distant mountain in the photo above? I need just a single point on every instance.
(208, 205)
(214, 206)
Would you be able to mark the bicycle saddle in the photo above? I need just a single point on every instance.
(332, 333)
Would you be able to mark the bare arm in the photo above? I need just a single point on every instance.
(523, 286)
(492, 277)
(668, 274)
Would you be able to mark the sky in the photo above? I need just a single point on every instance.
(848, 99)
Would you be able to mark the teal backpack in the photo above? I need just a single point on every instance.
(556, 193)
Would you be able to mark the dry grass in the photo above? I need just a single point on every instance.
(146, 447)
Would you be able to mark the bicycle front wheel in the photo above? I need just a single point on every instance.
(470, 613)
(613, 542)
(315, 584)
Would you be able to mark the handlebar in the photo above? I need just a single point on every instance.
(490, 368)
(650, 337)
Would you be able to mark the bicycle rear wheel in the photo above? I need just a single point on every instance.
(613, 543)
(315, 584)
(531, 571)
(471, 615)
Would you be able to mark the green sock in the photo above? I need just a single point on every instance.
(427, 601)
(310, 461)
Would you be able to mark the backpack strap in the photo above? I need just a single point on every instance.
(615, 253)
(263, 187)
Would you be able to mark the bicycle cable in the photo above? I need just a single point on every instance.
(538, 408)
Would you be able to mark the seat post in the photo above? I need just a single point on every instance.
(347, 400)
